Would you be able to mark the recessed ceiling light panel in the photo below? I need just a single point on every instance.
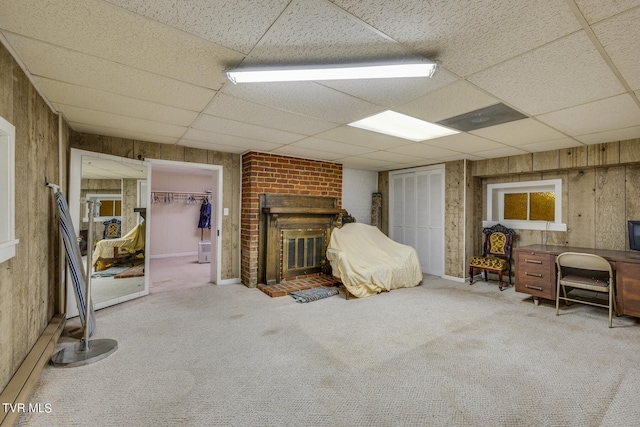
(403, 126)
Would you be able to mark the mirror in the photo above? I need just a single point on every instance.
(118, 188)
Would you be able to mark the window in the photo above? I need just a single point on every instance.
(110, 207)
(8, 241)
(530, 205)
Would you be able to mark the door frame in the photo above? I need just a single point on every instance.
(216, 235)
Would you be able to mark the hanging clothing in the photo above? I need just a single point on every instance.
(205, 215)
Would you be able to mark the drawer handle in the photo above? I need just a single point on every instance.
(537, 288)
(526, 273)
(533, 261)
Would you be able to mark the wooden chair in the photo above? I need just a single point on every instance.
(496, 253)
(112, 230)
(588, 272)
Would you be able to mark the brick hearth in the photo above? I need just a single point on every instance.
(285, 288)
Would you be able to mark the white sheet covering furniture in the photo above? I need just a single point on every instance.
(368, 262)
(132, 242)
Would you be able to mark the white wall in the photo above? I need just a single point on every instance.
(357, 187)
(174, 227)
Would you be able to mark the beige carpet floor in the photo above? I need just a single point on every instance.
(441, 354)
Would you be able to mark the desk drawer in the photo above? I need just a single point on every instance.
(628, 288)
(535, 274)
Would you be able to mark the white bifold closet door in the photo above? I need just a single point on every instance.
(417, 215)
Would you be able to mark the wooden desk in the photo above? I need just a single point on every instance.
(536, 273)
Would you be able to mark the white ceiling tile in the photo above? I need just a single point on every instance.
(612, 135)
(619, 37)
(556, 144)
(359, 162)
(599, 116)
(78, 96)
(227, 140)
(422, 150)
(103, 30)
(56, 63)
(467, 36)
(243, 130)
(121, 133)
(307, 153)
(306, 98)
(316, 31)
(363, 138)
(461, 156)
(562, 74)
(500, 152)
(391, 92)
(237, 109)
(519, 132)
(210, 146)
(464, 143)
(239, 23)
(450, 101)
(116, 121)
(389, 157)
(119, 67)
(597, 10)
(331, 146)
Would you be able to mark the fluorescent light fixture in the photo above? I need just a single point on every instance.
(332, 72)
(407, 127)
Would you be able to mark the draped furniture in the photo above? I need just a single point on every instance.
(367, 262)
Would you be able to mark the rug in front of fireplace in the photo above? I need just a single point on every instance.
(314, 294)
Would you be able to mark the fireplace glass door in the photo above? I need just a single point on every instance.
(303, 252)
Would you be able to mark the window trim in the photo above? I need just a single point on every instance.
(8, 239)
(99, 198)
(495, 204)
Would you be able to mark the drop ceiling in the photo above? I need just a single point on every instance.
(154, 70)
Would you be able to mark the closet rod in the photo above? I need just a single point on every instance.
(194, 193)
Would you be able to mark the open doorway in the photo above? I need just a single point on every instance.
(185, 235)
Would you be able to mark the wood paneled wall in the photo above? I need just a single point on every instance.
(140, 150)
(28, 281)
(600, 191)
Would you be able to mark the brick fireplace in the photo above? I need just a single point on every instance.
(293, 235)
(269, 174)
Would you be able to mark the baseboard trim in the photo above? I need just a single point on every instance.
(23, 382)
(234, 281)
(181, 254)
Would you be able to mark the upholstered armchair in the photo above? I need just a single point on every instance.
(496, 254)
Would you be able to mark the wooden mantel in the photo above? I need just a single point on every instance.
(303, 210)
(290, 212)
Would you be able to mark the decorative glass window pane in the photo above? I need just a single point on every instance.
(543, 206)
(515, 206)
(106, 208)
